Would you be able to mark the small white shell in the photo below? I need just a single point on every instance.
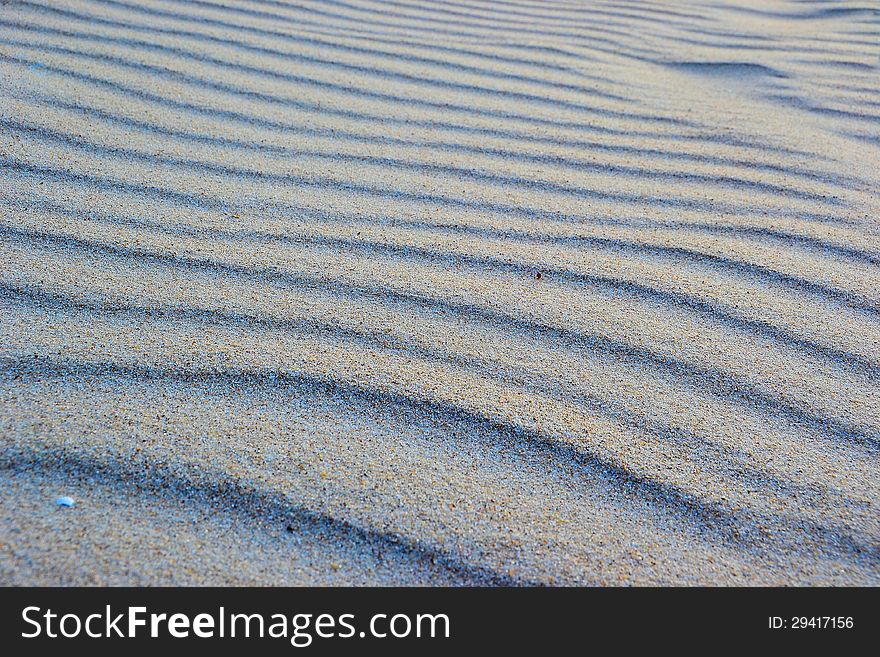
(65, 501)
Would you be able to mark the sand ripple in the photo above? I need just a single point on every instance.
(452, 292)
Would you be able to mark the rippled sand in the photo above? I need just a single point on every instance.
(453, 292)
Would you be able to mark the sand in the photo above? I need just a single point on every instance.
(449, 293)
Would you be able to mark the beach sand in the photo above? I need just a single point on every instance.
(448, 293)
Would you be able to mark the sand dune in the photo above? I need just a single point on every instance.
(449, 292)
